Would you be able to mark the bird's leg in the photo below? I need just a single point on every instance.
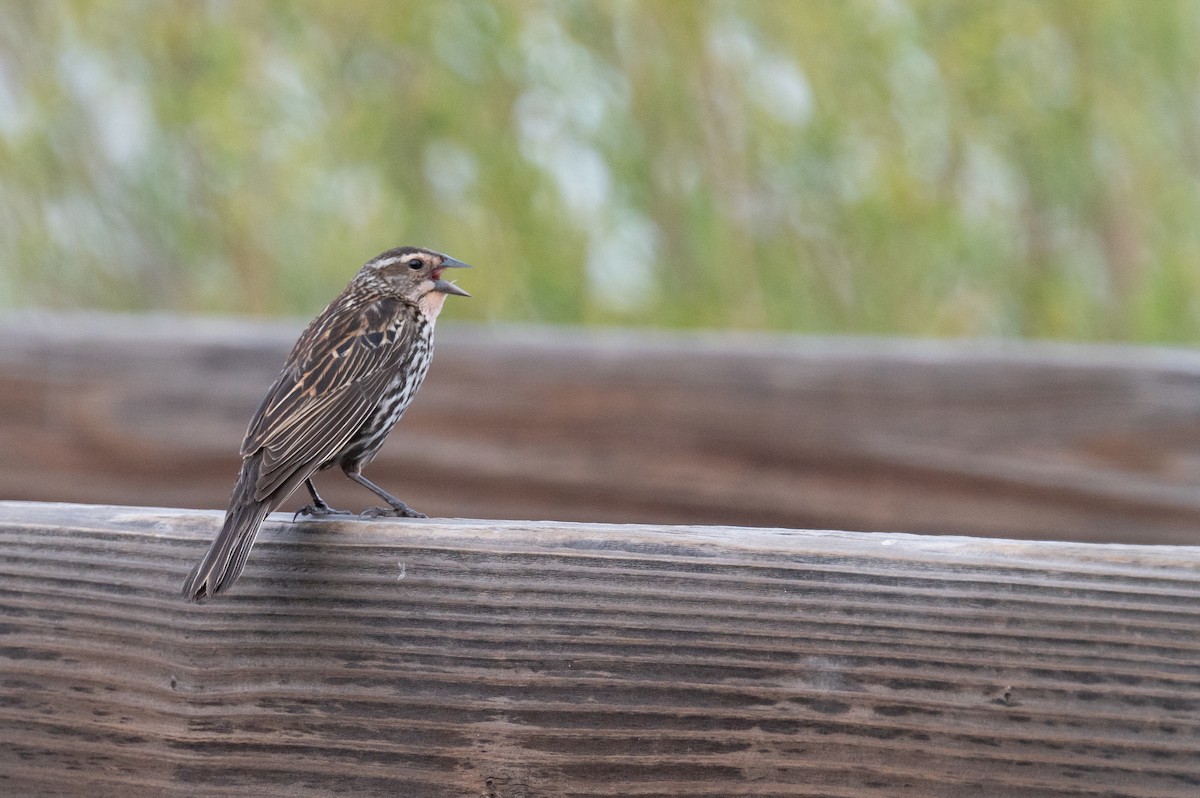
(318, 507)
(396, 508)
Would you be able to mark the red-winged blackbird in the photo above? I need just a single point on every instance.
(346, 383)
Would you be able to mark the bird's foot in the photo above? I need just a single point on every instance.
(401, 511)
(318, 510)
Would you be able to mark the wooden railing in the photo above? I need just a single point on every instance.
(1031, 441)
(505, 659)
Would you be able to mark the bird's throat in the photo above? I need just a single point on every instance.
(431, 303)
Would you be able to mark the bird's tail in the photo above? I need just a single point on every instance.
(227, 555)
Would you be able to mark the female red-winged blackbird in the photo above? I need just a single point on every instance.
(344, 386)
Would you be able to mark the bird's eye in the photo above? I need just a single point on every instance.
(415, 264)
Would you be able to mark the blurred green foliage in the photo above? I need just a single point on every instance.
(1024, 168)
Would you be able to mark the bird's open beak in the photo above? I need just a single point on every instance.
(445, 286)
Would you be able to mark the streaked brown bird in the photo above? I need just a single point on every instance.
(349, 378)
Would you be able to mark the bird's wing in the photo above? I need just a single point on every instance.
(333, 380)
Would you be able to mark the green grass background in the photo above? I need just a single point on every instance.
(1019, 169)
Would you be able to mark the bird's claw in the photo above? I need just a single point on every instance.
(318, 511)
(403, 511)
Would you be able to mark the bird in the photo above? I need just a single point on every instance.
(349, 378)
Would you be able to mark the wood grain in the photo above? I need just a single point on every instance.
(1033, 441)
(1030, 441)
(483, 658)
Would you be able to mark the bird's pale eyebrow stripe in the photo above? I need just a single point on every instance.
(389, 261)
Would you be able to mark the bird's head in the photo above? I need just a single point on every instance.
(415, 274)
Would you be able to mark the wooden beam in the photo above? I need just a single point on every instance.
(504, 659)
(1035, 441)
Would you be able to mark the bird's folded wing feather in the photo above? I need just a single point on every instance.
(334, 378)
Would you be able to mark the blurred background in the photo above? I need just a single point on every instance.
(1005, 169)
(745, 171)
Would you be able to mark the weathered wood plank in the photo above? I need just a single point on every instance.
(1055, 442)
(452, 658)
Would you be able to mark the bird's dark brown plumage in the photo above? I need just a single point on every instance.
(347, 381)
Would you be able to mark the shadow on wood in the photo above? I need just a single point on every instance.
(473, 658)
(1036, 441)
